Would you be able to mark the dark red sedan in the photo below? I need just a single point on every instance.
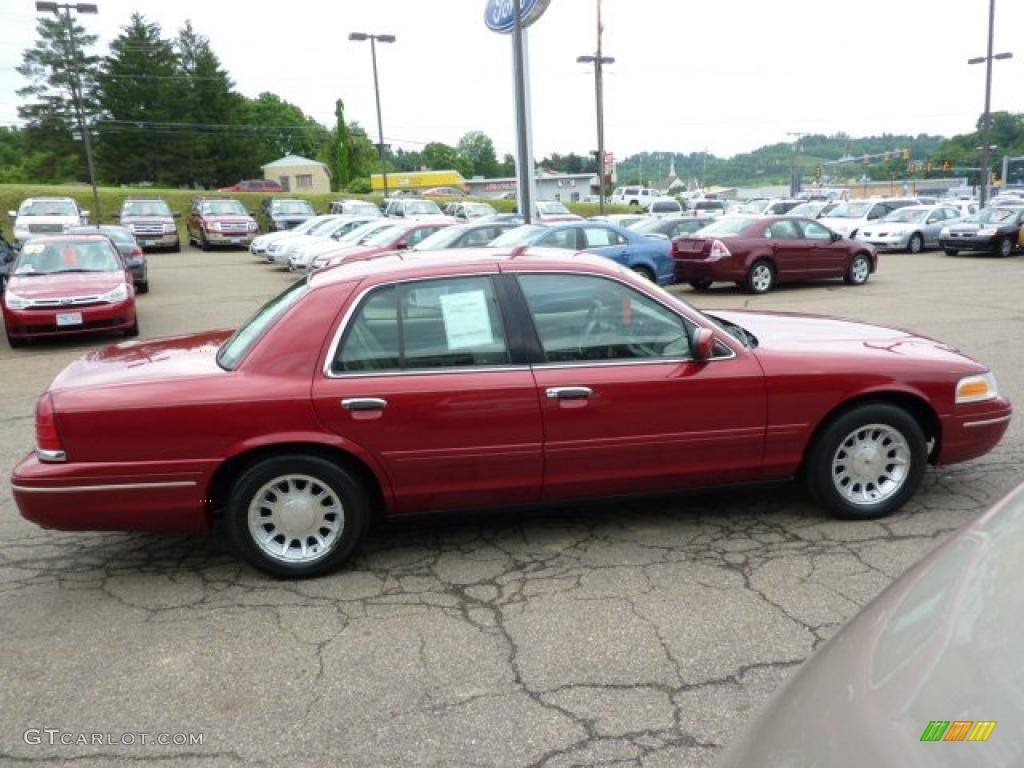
(400, 237)
(68, 284)
(757, 253)
(409, 383)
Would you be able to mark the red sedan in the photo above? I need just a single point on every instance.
(757, 253)
(404, 384)
(400, 237)
(68, 284)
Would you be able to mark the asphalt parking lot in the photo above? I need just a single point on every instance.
(637, 633)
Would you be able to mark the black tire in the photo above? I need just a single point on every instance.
(176, 248)
(132, 332)
(822, 479)
(645, 273)
(915, 244)
(951, 251)
(859, 271)
(204, 244)
(354, 510)
(701, 285)
(15, 342)
(758, 280)
(1005, 247)
(142, 287)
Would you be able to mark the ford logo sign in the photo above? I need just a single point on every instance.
(499, 15)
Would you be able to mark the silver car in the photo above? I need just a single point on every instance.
(928, 674)
(913, 229)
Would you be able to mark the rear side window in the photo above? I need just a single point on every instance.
(429, 324)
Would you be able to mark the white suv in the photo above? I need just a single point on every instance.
(46, 216)
(639, 196)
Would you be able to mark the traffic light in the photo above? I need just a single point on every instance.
(817, 173)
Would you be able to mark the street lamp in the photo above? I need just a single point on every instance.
(374, 39)
(986, 127)
(598, 60)
(76, 88)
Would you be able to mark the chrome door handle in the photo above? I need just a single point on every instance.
(364, 404)
(570, 393)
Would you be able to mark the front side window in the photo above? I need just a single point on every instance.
(814, 231)
(784, 230)
(581, 318)
(424, 325)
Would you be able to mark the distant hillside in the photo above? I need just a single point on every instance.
(771, 164)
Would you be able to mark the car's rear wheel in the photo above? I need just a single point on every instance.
(701, 285)
(951, 251)
(916, 244)
(296, 515)
(867, 462)
(761, 277)
(859, 271)
(645, 273)
(1005, 247)
(143, 287)
(204, 244)
(133, 331)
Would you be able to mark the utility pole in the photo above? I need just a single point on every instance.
(374, 39)
(794, 181)
(76, 89)
(599, 60)
(986, 126)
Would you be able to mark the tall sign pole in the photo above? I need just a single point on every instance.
(512, 17)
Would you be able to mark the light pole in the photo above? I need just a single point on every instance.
(986, 127)
(374, 39)
(794, 181)
(76, 89)
(599, 60)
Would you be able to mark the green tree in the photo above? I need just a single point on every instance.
(52, 152)
(12, 156)
(438, 156)
(477, 150)
(278, 128)
(362, 154)
(339, 149)
(139, 88)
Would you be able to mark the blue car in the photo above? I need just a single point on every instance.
(645, 255)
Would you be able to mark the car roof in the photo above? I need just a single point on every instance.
(398, 266)
(51, 199)
(77, 237)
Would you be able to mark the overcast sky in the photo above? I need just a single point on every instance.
(728, 75)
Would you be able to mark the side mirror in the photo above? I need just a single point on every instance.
(836, 237)
(401, 245)
(702, 344)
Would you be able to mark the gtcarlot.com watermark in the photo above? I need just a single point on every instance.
(56, 737)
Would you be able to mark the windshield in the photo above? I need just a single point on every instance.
(907, 216)
(361, 209)
(120, 235)
(313, 226)
(287, 207)
(996, 215)
(650, 226)
(421, 208)
(47, 208)
(361, 234)
(237, 346)
(749, 208)
(440, 239)
(550, 209)
(518, 236)
(732, 226)
(146, 208)
(807, 209)
(383, 237)
(478, 209)
(850, 210)
(224, 208)
(54, 257)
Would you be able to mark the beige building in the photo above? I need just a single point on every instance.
(299, 174)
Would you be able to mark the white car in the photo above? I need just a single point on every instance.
(332, 231)
(638, 196)
(664, 206)
(415, 209)
(914, 228)
(46, 216)
(262, 243)
(302, 260)
(850, 217)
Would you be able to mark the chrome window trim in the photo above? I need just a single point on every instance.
(113, 487)
(357, 302)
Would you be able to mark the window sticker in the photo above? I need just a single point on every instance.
(467, 321)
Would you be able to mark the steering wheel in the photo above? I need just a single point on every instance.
(591, 327)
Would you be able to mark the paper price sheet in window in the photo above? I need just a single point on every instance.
(467, 321)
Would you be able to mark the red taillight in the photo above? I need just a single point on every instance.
(719, 251)
(48, 445)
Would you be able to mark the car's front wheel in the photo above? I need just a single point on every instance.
(701, 285)
(916, 244)
(296, 516)
(645, 273)
(867, 462)
(1005, 247)
(859, 271)
(951, 251)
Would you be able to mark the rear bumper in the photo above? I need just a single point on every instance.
(108, 497)
(37, 323)
(969, 435)
(692, 269)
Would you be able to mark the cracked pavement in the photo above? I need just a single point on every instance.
(630, 633)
